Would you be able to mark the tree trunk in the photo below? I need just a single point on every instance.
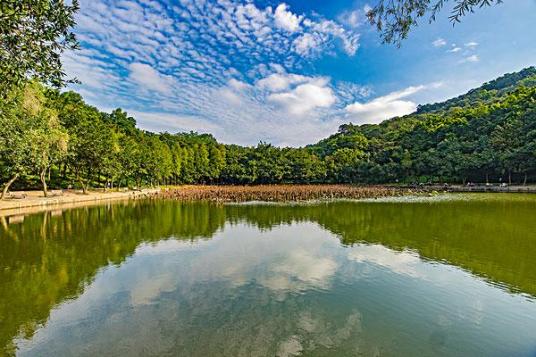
(487, 179)
(43, 177)
(6, 187)
(64, 172)
(84, 187)
(525, 180)
(509, 177)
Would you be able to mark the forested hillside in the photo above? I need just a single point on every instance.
(488, 133)
(48, 138)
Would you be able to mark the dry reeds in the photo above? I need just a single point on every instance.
(277, 193)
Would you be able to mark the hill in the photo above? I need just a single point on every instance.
(487, 133)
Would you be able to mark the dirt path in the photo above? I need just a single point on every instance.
(33, 201)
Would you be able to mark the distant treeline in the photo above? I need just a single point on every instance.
(48, 138)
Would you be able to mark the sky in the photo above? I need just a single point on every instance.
(288, 73)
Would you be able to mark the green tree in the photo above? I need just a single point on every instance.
(14, 137)
(92, 143)
(48, 139)
(33, 36)
(32, 137)
(216, 161)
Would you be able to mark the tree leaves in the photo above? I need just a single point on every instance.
(394, 19)
(33, 35)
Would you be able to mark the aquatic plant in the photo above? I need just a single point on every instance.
(278, 193)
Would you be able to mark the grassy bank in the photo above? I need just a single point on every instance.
(277, 193)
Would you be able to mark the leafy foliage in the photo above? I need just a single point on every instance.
(33, 35)
(488, 132)
(395, 18)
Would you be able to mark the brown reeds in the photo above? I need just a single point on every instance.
(277, 193)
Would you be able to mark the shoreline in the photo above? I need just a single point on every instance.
(34, 202)
(477, 188)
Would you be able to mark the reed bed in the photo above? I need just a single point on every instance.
(278, 193)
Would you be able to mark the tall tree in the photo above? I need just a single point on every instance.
(32, 137)
(33, 36)
(14, 140)
(92, 141)
(48, 140)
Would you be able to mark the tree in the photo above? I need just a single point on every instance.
(162, 160)
(91, 143)
(129, 158)
(112, 167)
(237, 168)
(31, 135)
(14, 140)
(507, 140)
(345, 163)
(201, 162)
(48, 140)
(176, 155)
(33, 36)
(395, 18)
(305, 167)
(120, 118)
(270, 165)
(489, 131)
(217, 161)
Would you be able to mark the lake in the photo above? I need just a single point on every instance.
(449, 275)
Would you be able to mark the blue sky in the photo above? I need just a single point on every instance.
(284, 72)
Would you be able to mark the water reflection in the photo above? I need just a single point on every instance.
(199, 279)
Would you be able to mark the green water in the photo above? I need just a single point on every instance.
(449, 276)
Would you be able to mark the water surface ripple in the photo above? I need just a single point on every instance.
(424, 277)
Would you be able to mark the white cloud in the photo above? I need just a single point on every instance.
(439, 42)
(349, 92)
(326, 28)
(213, 66)
(238, 85)
(471, 45)
(305, 97)
(294, 265)
(298, 270)
(280, 81)
(162, 121)
(233, 92)
(285, 19)
(306, 43)
(454, 49)
(404, 262)
(385, 107)
(470, 59)
(354, 18)
(149, 78)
